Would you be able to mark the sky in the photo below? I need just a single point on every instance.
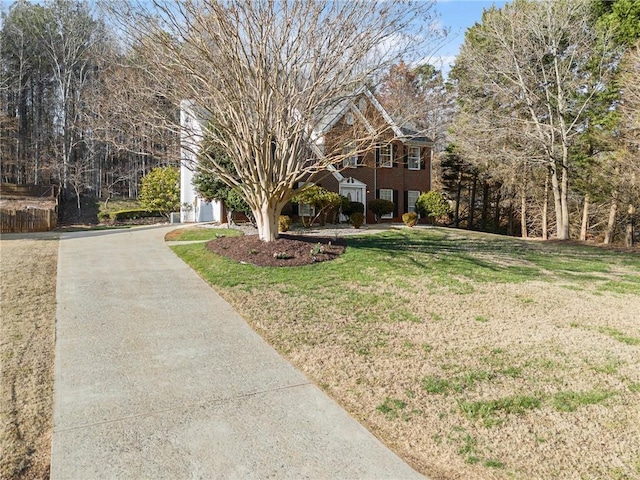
(458, 15)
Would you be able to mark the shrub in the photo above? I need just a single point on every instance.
(160, 190)
(132, 214)
(349, 207)
(356, 219)
(380, 207)
(432, 205)
(321, 199)
(410, 218)
(284, 223)
(104, 216)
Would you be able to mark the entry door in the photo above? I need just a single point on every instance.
(352, 193)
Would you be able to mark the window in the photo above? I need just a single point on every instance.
(413, 158)
(351, 159)
(306, 210)
(386, 194)
(385, 155)
(412, 198)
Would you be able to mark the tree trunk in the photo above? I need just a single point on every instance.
(585, 219)
(629, 234)
(611, 224)
(472, 201)
(456, 218)
(545, 209)
(496, 216)
(485, 206)
(267, 219)
(563, 227)
(523, 212)
(558, 204)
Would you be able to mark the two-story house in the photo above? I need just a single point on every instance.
(395, 166)
(392, 162)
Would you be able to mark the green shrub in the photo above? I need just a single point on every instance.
(104, 216)
(349, 207)
(132, 214)
(410, 218)
(321, 199)
(160, 190)
(284, 223)
(356, 219)
(381, 207)
(432, 205)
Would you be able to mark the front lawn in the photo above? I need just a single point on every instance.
(471, 355)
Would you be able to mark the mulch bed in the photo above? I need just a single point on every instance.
(296, 250)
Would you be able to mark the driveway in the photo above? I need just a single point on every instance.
(156, 376)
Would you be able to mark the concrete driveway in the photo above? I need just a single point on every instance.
(157, 377)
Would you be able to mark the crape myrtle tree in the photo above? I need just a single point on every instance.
(269, 73)
(531, 71)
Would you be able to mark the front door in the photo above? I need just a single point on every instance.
(354, 191)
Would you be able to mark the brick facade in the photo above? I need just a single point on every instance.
(400, 178)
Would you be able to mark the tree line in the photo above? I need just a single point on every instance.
(535, 130)
(74, 110)
(547, 123)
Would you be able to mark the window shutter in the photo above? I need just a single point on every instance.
(405, 159)
(377, 193)
(294, 209)
(377, 157)
(394, 155)
(406, 201)
(360, 161)
(423, 162)
(395, 202)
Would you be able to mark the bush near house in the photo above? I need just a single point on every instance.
(160, 190)
(349, 207)
(324, 201)
(381, 207)
(432, 205)
(356, 219)
(410, 219)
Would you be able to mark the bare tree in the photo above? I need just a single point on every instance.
(267, 74)
(534, 69)
(627, 158)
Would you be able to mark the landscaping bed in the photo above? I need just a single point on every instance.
(286, 251)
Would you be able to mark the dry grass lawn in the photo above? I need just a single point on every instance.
(472, 356)
(27, 334)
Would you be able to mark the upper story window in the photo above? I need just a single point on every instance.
(385, 155)
(413, 158)
(350, 157)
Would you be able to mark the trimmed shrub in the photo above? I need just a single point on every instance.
(356, 219)
(381, 207)
(349, 207)
(160, 190)
(410, 218)
(132, 214)
(432, 205)
(284, 223)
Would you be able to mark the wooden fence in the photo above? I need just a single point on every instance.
(28, 208)
(29, 220)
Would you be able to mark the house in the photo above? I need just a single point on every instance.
(193, 208)
(396, 166)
